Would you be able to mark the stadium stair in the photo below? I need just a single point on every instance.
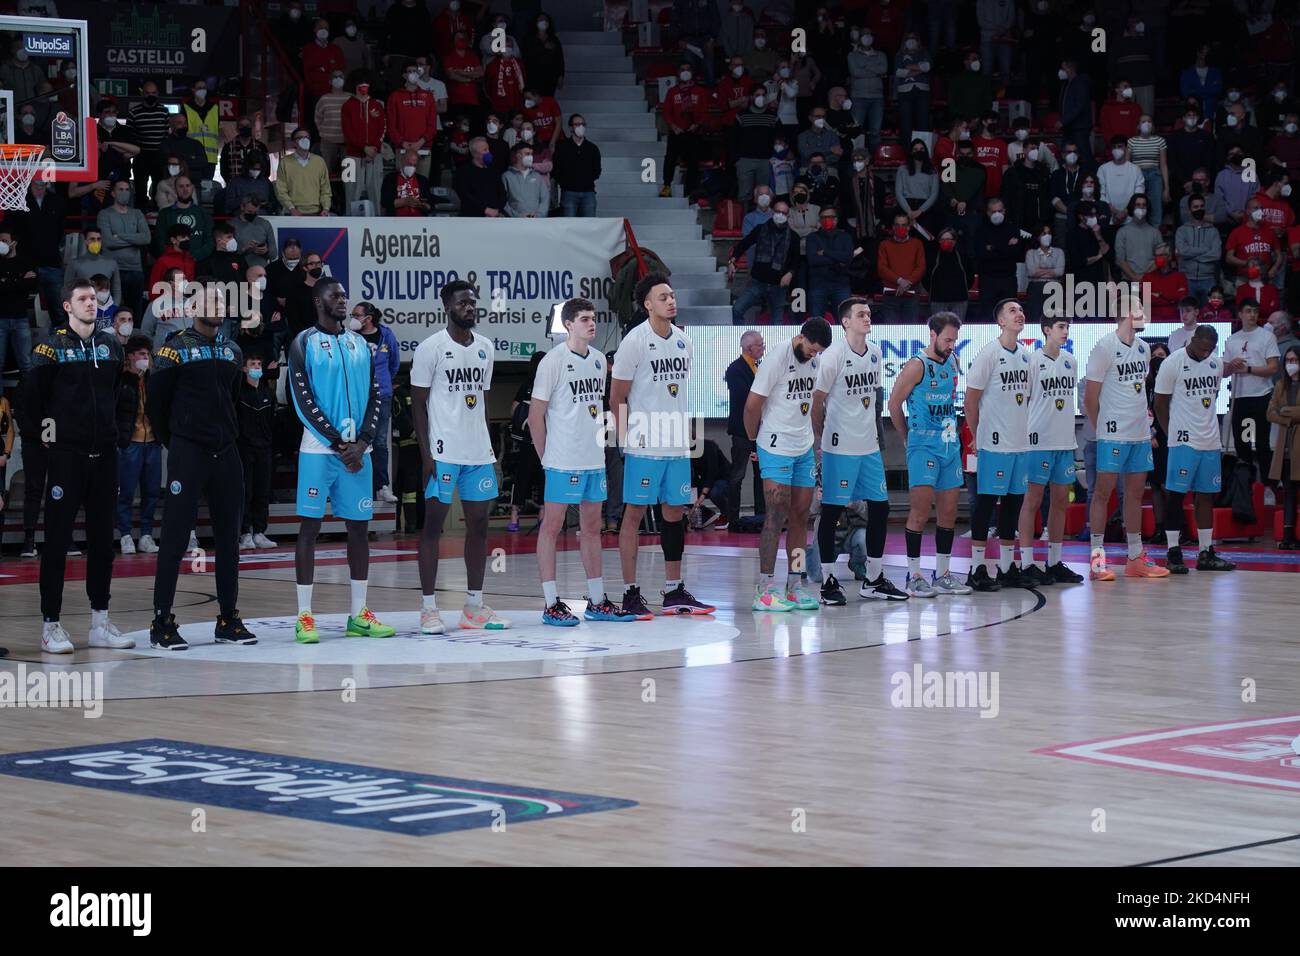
(601, 84)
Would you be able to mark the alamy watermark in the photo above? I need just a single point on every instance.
(83, 690)
(946, 689)
(1069, 299)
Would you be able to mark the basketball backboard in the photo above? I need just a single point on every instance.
(57, 87)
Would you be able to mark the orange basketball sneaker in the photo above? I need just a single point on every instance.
(1143, 567)
(1099, 571)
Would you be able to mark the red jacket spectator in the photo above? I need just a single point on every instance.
(504, 82)
(364, 123)
(886, 25)
(462, 92)
(733, 95)
(1119, 118)
(318, 63)
(171, 259)
(412, 116)
(1248, 240)
(545, 117)
(1167, 290)
(445, 27)
(1265, 295)
(991, 153)
(945, 148)
(1277, 213)
(686, 105)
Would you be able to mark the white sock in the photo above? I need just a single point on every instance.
(304, 598)
(941, 563)
(914, 566)
(791, 581)
(767, 581)
(429, 601)
(1134, 546)
(1171, 539)
(668, 585)
(1006, 557)
(1205, 537)
(596, 589)
(976, 556)
(548, 592)
(473, 598)
(875, 567)
(1053, 553)
(98, 618)
(358, 597)
(1098, 541)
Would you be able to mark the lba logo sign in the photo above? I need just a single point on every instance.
(350, 794)
(330, 242)
(47, 44)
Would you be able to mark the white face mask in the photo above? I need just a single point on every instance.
(964, 134)
(492, 128)
(173, 170)
(996, 218)
(1292, 369)
(760, 42)
(866, 40)
(200, 95)
(354, 324)
(1290, 127)
(322, 35)
(1126, 93)
(1286, 189)
(780, 218)
(109, 122)
(350, 30)
(975, 66)
(1032, 155)
(102, 296)
(1234, 95)
(1279, 95)
(304, 144)
(530, 103)
(70, 73)
(1144, 129)
(784, 72)
(527, 160)
(231, 245)
(408, 171)
(1257, 214)
(260, 282)
(911, 45)
(847, 104)
(295, 14)
(859, 165)
(1022, 135)
(1232, 119)
(1189, 122)
(1062, 75)
(737, 71)
(1118, 153)
(760, 101)
(820, 122)
(1139, 28)
(1086, 192)
(1139, 212)
(412, 76)
(29, 121)
(141, 365)
(336, 82)
(1071, 158)
(543, 24)
(684, 76)
(764, 201)
(1045, 240)
(581, 130)
(527, 135)
(291, 263)
(254, 173)
(1091, 222)
(4, 248)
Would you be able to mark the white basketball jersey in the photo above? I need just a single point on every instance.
(1122, 371)
(850, 382)
(787, 384)
(458, 378)
(1193, 388)
(573, 387)
(658, 417)
(1003, 376)
(1051, 403)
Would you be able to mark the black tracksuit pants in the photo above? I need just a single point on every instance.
(257, 487)
(194, 470)
(74, 478)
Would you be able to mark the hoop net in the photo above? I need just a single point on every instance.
(18, 164)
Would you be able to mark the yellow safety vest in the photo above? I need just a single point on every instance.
(203, 128)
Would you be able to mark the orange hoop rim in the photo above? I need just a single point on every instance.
(20, 150)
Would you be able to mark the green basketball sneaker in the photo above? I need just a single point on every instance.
(366, 624)
(304, 631)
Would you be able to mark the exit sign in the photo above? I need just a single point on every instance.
(111, 87)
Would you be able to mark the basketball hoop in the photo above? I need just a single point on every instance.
(18, 164)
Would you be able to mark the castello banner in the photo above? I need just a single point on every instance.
(159, 40)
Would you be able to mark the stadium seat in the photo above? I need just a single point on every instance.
(889, 156)
(1226, 526)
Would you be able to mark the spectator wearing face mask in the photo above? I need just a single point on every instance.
(1136, 240)
(23, 76)
(1150, 154)
(1119, 115)
(1199, 248)
(202, 118)
(1132, 56)
(1271, 111)
(18, 283)
(164, 188)
(1234, 187)
(830, 250)
(497, 145)
(464, 74)
(542, 112)
(105, 305)
(819, 138)
(176, 255)
(479, 187)
(165, 315)
(772, 265)
(1216, 308)
(781, 168)
(1256, 290)
(365, 122)
(329, 121)
(254, 236)
(762, 61)
(912, 87)
(504, 82)
(1216, 210)
(991, 153)
(1274, 201)
(302, 185)
(1085, 245)
(126, 235)
(752, 135)
(123, 325)
(1119, 180)
(969, 90)
(413, 120)
(820, 182)
(576, 168)
(761, 213)
(1236, 132)
(240, 154)
(177, 145)
(283, 272)
(1202, 80)
(868, 68)
(255, 411)
(1168, 285)
(226, 264)
(527, 196)
(734, 91)
(862, 203)
(962, 194)
(1026, 190)
(1191, 146)
(139, 458)
(949, 276)
(1020, 141)
(783, 97)
(737, 31)
(1075, 106)
(186, 211)
(1065, 186)
(356, 49)
(685, 111)
(1285, 146)
(900, 264)
(92, 262)
(451, 21)
(544, 56)
(321, 60)
(998, 250)
(1284, 468)
(946, 146)
(916, 187)
(1044, 263)
(1253, 239)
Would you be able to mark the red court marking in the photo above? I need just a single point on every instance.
(1254, 753)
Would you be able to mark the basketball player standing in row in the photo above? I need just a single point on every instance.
(1115, 401)
(649, 399)
(927, 384)
(778, 418)
(844, 418)
(451, 373)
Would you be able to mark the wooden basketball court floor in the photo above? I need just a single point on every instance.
(740, 738)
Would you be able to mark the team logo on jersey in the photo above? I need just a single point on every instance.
(1182, 472)
(1142, 349)
(101, 351)
(1206, 401)
(313, 492)
(681, 345)
(1060, 404)
(603, 485)
(471, 401)
(1001, 473)
(844, 482)
(934, 383)
(803, 408)
(56, 492)
(325, 344)
(1067, 363)
(645, 482)
(929, 463)
(874, 359)
(1213, 364)
(1137, 387)
(593, 410)
(226, 353)
(174, 487)
(366, 504)
(482, 354)
(1045, 465)
(1020, 398)
(866, 401)
(685, 489)
(673, 389)
(446, 355)
(573, 479)
(944, 375)
(446, 477)
(1114, 452)
(1024, 357)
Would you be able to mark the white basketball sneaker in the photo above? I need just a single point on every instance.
(431, 621)
(128, 546)
(246, 542)
(54, 639)
(147, 545)
(104, 633)
(262, 541)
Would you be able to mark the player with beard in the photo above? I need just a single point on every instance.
(927, 385)
(778, 419)
(332, 384)
(650, 402)
(450, 377)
